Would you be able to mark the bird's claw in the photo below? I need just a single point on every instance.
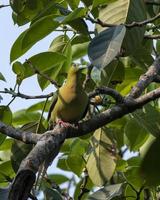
(64, 124)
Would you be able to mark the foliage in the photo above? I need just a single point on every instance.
(121, 55)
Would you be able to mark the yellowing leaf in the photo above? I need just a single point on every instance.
(101, 161)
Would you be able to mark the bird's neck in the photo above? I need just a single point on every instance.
(74, 83)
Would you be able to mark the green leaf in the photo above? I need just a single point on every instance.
(6, 171)
(62, 163)
(17, 5)
(16, 50)
(133, 177)
(22, 117)
(62, 45)
(148, 118)
(58, 178)
(2, 77)
(18, 69)
(75, 163)
(75, 159)
(5, 114)
(77, 13)
(43, 61)
(52, 194)
(107, 192)
(136, 135)
(131, 194)
(79, 50)
(6, 145)
(134, 36)
(105, 47)
(101, 158)
(114, 13)
(38, 31)
(151, 164)
(125, 11)
(113, 74)
(73, 3)
(39, 106)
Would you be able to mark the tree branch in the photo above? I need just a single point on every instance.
(131, 25)
(26, 137)
(108, 91)
(146, 79)
(152, 37)
(24, 96)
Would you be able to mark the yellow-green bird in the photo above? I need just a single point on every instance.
(72, 102)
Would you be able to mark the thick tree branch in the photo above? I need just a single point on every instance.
(26, 137)
(146, 79)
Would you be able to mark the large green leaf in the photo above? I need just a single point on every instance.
(106, 46)
(151, 164)
(43, 61)
(58, 178)
(113, 74)
(38, 31)
(136, 135)
(77, 13)
(52, 194)
(131, 77)
(101, 159)
(107, 192)
(16, 50)
(134, 36)
(149, 119)
(75, 159)
(61, 45)
(75, 19)
(6, 171)
(22, 117)
(125, 11)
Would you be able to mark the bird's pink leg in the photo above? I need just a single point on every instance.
(62, 123)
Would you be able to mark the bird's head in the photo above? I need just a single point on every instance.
(75, 70)
(75, 74)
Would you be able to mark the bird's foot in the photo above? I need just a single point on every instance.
(64, 124)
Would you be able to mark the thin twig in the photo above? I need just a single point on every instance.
(131, 25)
(41, 74)
(24, 96)
(83, 186)
(3, 6)
(152, 37)
(88, 75)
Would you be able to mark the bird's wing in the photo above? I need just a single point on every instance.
(86, 110)
(54, 101)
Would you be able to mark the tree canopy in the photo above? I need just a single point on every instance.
(118, 43)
